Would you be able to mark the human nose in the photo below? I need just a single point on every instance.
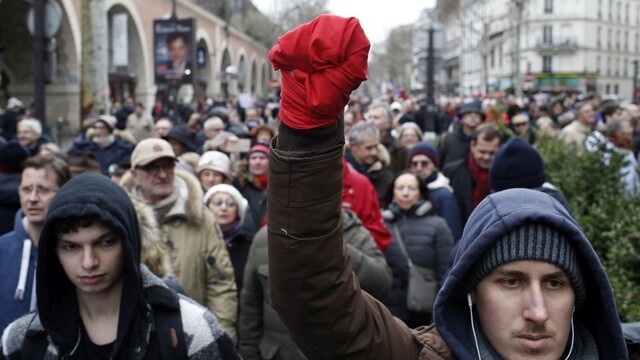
(536, 309)
(89, 259)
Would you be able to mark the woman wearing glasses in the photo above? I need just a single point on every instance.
(229, 207)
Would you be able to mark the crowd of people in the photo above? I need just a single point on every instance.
(290, 232)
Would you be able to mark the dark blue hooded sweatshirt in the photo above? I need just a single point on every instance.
(497, 215)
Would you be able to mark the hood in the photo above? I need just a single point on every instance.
(497, 215)
(85, 195)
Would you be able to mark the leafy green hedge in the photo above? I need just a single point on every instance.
(609, 218)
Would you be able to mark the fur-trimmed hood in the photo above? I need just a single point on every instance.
(155, 254)
(243, 176)
(193, 204)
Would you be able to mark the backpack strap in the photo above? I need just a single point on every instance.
(171, 338)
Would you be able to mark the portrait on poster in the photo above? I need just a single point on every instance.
(173, 50)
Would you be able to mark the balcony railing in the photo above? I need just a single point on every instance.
(557, 44)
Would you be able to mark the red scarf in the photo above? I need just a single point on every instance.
(263, 180)
(480, 180)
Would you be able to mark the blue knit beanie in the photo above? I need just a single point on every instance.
(423, 148)
(12, 154)
(516, 165)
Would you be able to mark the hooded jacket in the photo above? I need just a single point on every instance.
(17, 265)
(143, 294)
(497, 215)
(9, 200)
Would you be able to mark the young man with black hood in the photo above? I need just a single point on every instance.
(525, 281)
(95, 300)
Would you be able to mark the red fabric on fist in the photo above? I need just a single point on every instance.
(322, 62)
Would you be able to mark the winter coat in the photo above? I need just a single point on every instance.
(462, 183)
(497, 215)
(428, 242)
(9, 200)
(445, 202)
(200, 260)
(114, 153)
(455, 146)
(359, 196)
(379, 175)
(250, 189)
(139, 127)
(16, 273)
(262, 333)
(89, 195)
(311, 281)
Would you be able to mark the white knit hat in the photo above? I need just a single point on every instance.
(243, 204)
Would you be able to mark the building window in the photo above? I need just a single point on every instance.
(599, 38)
(493, 57)
(615, 89)
(637, 42)
(617, 67)
(610, 33)
(599, 9)
(607, 88)
(598, 64)
(618, 40)
(548, 6)
(610, 9)
(625, 71)
(626, 41)
(547, 34)
(626, 13)
(546, 63)
(619, 14)
(608, 66)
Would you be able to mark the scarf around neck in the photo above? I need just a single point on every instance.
(480, 181)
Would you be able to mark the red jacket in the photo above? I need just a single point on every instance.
(359, 196)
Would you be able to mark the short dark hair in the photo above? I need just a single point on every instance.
(175, 36)
(52, 163)
(72, 224)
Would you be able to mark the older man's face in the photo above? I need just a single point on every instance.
(26, 136)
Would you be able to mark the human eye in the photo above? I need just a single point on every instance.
(67, 246)
(110, 241)
(510, 282)
(555, 283)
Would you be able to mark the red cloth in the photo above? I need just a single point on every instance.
(480, 181)
(323, 62)
(359, 196)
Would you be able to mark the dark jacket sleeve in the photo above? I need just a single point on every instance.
(250, 326)
(367, 260)
(311, 282)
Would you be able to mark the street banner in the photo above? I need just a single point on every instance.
(174, 50)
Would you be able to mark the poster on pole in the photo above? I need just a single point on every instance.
(174, 50)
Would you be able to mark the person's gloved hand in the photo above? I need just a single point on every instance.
(322, 62)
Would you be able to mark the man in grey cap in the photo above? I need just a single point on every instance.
(200, 258)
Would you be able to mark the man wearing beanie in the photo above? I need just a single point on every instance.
(252, 180)
(423, 162)
(455, 145)
(519, 165)
(525, 282)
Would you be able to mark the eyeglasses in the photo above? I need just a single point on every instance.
(229, 202)
(423, 163)
(40, 190)
(521, 124)
(154, 167)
